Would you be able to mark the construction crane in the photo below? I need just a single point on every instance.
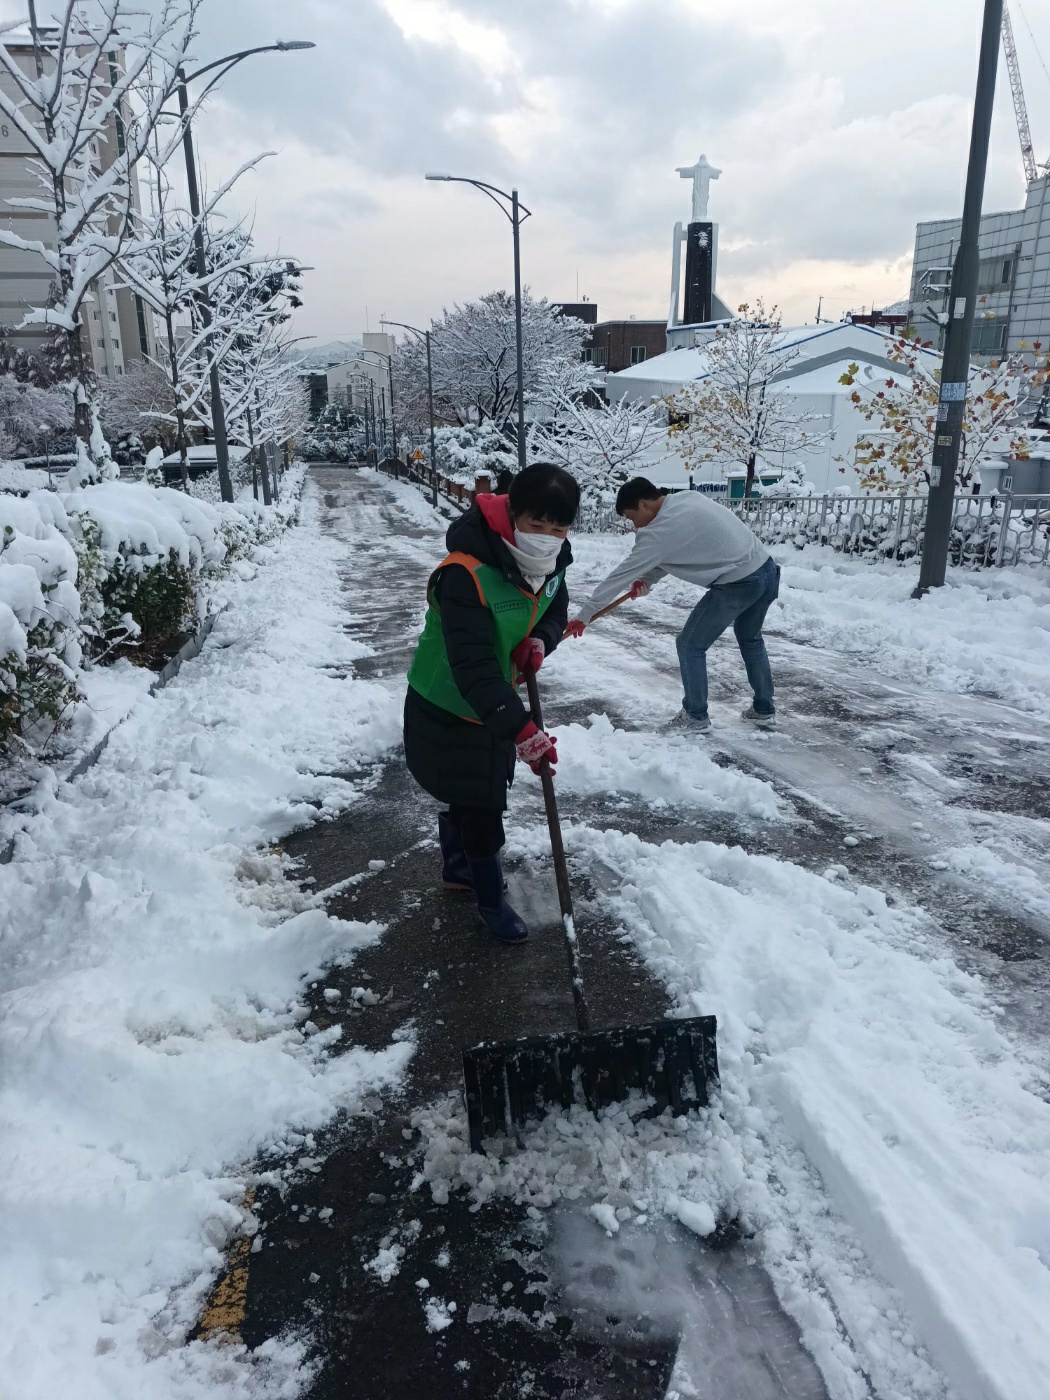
(1020, 110)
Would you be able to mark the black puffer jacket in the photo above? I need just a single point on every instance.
(452, 759)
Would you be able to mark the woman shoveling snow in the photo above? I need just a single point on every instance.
(497, 606)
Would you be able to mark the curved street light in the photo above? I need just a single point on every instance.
(517, 214)
(424, 336)
(218, 413)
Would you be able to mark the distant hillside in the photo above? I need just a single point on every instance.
(333, 352)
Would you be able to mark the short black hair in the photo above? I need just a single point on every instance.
(633, 492)
(545, 492)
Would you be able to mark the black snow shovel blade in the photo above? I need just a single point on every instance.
(673, 1063)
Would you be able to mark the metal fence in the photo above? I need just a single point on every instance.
(986, 530)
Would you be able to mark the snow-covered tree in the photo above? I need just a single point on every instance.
(160, 266)
(33, 419)
(474, 361)
(87, 110)
(138, 404)
(733, 414)
(250, 296)
(600, 443)
(902, 410)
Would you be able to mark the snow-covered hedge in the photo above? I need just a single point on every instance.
(114, 565)
(40, 648)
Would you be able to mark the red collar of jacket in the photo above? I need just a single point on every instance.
(496, 513)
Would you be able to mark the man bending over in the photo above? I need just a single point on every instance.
(689, 536)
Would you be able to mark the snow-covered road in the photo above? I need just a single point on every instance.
(860, 897)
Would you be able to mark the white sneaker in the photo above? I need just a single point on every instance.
(683, 720)
(763, 721)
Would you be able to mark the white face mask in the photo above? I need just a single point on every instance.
(538, 546)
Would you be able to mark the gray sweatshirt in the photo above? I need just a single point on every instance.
(691, 538)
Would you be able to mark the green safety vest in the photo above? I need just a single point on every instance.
(514, 611)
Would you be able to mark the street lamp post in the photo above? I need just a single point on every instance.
(517, 214)
(424, 336)
(218, 414)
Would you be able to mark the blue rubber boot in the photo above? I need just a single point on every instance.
(455, 872)
(499, 918)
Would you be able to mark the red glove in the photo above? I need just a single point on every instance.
(533, 746)
(639, 588)
(575, 628)
(528, 655)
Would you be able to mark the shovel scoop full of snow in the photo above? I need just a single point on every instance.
(674, 1064)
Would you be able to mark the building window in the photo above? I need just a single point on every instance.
(95, 314)
(995, 274)
(120, 369)
(597, 354)
(113, 317)
(637, 354)
(989, 335)
(100, 342)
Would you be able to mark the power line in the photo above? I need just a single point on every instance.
(1039, 56)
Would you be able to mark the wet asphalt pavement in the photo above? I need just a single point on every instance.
(533, 1319)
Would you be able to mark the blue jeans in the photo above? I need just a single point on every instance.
(744, 604)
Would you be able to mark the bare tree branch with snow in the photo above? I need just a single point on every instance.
(733, 414)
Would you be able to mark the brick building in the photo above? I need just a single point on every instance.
(614, 345)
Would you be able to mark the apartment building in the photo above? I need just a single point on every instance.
(117, 327)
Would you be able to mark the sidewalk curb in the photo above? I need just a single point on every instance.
(189, 650)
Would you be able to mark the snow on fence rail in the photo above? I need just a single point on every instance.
(986, 531)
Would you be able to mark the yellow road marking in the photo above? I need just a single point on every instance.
(225, 1310)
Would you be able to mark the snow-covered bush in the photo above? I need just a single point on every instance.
(794, 482)
(473, 450)
(39, 614)
(143, 552)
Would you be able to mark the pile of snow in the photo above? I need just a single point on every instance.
(985, 633)
(844, 1032)
(626, 1166)
(14, 477)
(597, 759)
(152, 956)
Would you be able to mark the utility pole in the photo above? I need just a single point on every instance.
(955, 367)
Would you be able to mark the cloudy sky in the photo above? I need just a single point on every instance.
(837, 127)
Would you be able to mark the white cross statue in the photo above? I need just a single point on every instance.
(701, 175)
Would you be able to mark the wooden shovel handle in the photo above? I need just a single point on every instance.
(561, 869)
(609, 607)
